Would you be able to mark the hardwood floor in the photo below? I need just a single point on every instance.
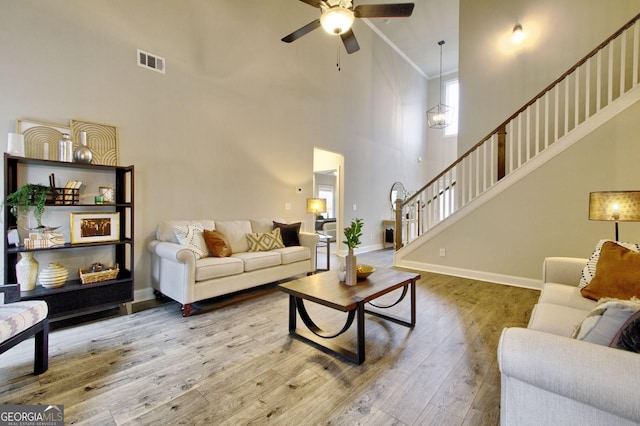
(234, 363)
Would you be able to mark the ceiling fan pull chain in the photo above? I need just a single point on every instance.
(338, 53)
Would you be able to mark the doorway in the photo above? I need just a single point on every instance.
(328, 183)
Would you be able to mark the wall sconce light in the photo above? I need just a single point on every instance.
(623, 206)
(518, 34)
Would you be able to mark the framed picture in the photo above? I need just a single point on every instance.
(102, 139)
(36, 134)
(95, 227)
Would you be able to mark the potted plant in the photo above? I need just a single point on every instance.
(29, 195)
(352, 235)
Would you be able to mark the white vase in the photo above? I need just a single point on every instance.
(27, 271)
(54, 275)
(351, 277)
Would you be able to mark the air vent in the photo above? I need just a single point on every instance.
(151, 61)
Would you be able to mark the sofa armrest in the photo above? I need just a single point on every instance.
(563, 270)
(599, 376)
(171, 251)
(309, 240)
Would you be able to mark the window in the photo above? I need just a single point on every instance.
(451, 99)
(326, 191)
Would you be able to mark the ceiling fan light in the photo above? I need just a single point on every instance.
(337, 20)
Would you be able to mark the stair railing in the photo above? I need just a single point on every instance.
(594, 82)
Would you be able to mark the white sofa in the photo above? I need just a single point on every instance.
(548, 378)
(176, 273)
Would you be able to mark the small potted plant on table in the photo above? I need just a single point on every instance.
(352, 235)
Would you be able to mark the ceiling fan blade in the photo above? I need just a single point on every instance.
(350, 42)
(302, 31)
(398, 10)
(314, 3)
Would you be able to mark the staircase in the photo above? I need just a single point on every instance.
(599, 86)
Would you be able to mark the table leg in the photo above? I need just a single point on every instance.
(360, 331)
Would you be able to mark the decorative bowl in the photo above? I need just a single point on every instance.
(363, 271)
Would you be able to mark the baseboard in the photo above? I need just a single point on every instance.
(143, 295)
(472, 274)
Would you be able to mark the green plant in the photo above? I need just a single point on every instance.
(353, 233)
(29, 195)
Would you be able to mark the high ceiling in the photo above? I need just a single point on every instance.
(417, 36)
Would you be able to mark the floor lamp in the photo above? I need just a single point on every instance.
(615, 206)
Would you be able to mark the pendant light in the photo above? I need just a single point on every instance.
(439, 116)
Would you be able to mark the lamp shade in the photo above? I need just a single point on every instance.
(316, 205)
(621, 206)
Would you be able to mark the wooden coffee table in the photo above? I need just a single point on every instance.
(326, 290)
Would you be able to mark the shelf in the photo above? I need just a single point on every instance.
(74, 298)
(66, 246)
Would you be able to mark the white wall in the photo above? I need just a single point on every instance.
(229, 130)
(498, 77)
(545, 214)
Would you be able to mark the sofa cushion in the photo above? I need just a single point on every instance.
(215, 267)
(565, 295)
(19, 316)
(289, 233)
(265, 241)
(589, 271)
(263, 225)
(236, 232)
(603, 322)
(294, 254)
(217, 243)
(165, 232)
(191, 236)
(556, 319)
(258, 259)
(628, 337)
(617, 274)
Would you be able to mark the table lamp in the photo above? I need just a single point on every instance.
(616, 206)
(316, 205)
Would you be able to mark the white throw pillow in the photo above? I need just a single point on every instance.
(589, 271)
(191, 236)
(604, 321)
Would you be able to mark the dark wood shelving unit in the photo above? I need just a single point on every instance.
(75, 298)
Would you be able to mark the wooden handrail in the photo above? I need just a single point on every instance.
(504, 124)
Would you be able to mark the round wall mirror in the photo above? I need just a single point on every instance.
(397, 191)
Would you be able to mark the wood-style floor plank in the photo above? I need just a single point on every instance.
(234, 362)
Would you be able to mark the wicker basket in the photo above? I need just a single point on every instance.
(88, 277)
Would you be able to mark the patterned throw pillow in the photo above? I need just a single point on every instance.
(191, 237)
(589, 271)
(265, 242)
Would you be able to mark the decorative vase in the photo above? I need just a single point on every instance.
(53, 276)
(351, 269)
(83, 154)
(27, 271)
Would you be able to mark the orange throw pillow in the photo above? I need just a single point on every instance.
(217, 243)
(617, 274)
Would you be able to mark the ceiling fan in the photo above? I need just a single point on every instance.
(337, 18)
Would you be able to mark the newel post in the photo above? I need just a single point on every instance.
(502, 142)
(398, 231)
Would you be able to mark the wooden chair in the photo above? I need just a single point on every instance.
(22, 320)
